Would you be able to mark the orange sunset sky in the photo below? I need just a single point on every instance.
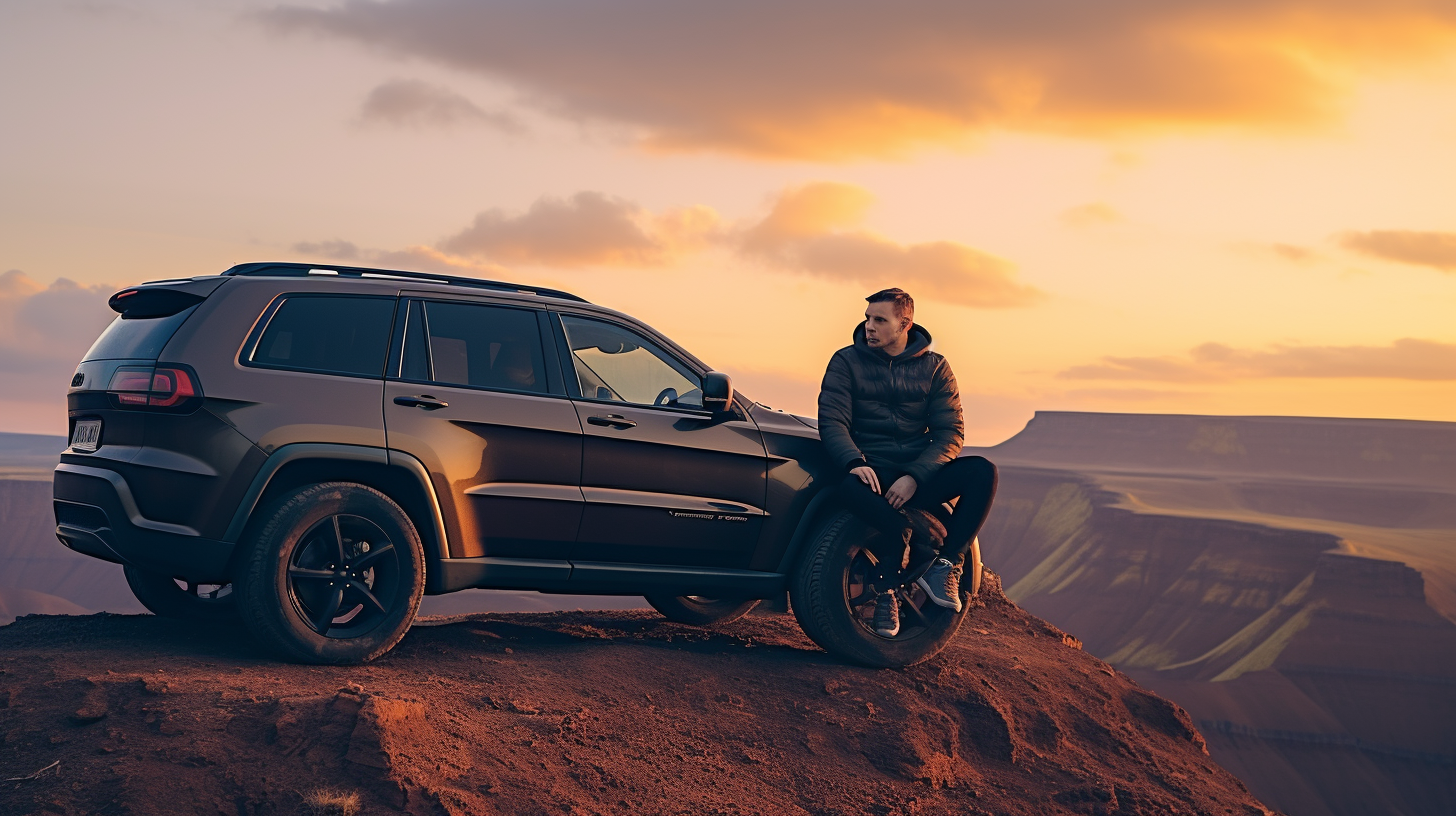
(1203, 206)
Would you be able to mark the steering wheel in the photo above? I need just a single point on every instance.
(666, 396)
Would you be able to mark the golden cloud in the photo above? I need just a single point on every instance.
(1405, 359)
(588, 229)
(1436, 250)
(840, 80)
(814, 229)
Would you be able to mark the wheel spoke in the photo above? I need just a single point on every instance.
(373, 555)
(326, 613)
(362, 589)
(338, 540)
(310, 574)
(913, 610)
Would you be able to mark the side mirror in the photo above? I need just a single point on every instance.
(717, 392)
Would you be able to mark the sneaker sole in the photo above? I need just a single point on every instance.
(929, 593)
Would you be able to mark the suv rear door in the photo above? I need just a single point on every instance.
(477, 396)
(665, 482)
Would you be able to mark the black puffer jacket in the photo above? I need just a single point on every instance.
(898, 413)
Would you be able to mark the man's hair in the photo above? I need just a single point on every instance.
(903, 303)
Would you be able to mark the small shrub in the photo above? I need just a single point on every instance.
(331, 802)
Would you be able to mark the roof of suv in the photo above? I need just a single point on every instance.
(276, 269)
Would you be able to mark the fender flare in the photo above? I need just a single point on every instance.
(288, 454)
(808, 521)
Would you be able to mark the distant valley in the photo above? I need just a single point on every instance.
(1291, 582)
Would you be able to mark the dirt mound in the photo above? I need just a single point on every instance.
(588, 712)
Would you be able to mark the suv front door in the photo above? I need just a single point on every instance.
(664, 481)
(478, 397)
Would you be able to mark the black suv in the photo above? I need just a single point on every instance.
(313, 449)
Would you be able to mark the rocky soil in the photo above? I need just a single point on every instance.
(584, 713)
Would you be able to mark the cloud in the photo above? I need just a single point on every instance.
(413, 102)
(814, 230)
(1436, 250)
(418, 258)
(1293, 253)
(1405, 359)
(587, 229)
(828, 79)
(1095, 214)
(335, 250)
(810, 230)
(44, 333)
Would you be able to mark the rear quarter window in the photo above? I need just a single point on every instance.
(137, 338)
(331, 334)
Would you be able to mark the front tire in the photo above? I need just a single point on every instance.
(334, 576)
(167, 597)
(831, 599)
(696, 610)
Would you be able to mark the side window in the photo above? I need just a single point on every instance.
(333, 334)
(617, 364)
(476, 345)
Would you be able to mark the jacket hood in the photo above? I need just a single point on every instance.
(918, 344)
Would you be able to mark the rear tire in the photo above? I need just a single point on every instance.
(696, 610)
(165, 597)
(832, 602)
(334, 576)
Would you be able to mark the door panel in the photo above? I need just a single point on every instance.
(473, 402)
(672, 489)
(508, 462)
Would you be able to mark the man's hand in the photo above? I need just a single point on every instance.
(900, 492)
(867, 475)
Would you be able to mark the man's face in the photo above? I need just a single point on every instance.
(882, 327)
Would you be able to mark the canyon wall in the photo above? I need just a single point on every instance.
(1239, 584)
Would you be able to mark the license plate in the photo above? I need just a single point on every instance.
(86, 435)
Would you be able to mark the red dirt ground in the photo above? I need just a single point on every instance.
(586, 713)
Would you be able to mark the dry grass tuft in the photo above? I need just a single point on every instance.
(331, 802)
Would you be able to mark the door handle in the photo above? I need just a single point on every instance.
(612, 421)
(424, 401)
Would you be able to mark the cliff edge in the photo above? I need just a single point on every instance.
(587, 712)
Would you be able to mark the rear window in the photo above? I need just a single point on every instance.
(333, 334)
(475, 345)
(137, 338)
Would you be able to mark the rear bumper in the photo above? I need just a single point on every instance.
(97, 515)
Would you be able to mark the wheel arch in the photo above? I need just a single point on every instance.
(816, 514)
(398, 475)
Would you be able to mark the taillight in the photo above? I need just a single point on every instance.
(171, 387)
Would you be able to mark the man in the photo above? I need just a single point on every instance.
(890, 416)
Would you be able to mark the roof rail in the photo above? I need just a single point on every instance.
(300, 270)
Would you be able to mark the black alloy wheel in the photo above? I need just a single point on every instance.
(343, 576)
(180, 598)
(697, 610)
(334, 576)
(917, 612)
(832, 600)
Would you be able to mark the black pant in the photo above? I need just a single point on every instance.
(972, 478)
